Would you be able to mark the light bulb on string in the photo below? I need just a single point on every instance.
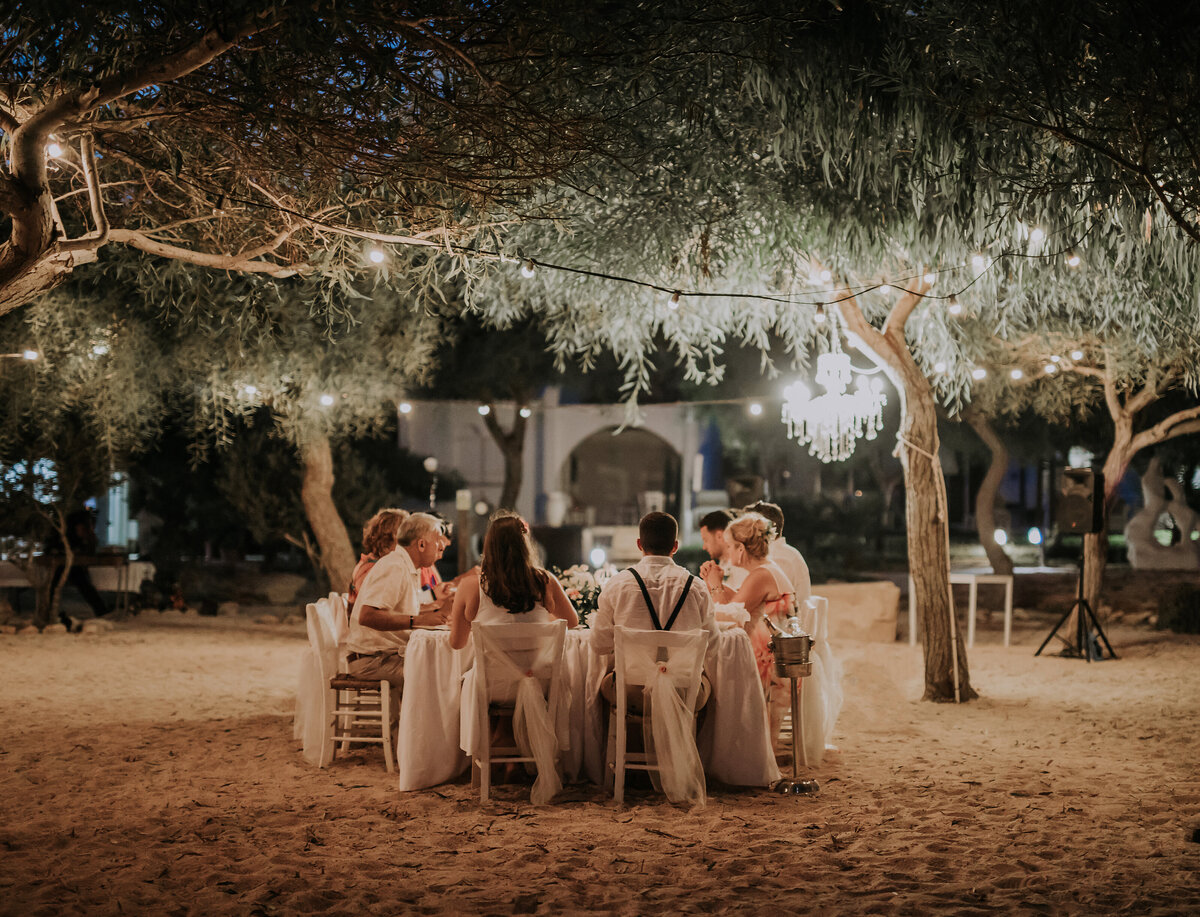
(1037, 236)
(30, 355)
(1017, 374)
(826, 276)
(1055, 359)
(955, 307)
(819, 318)
(376, 256)
(528, 268)
(979, 263)
(885, 289)
(1050, 369)
(326, 400)
(674, 302)
(526, 413)
(1073, 260)
(405, 407)
(939, 366)
(484, 410)
(54, 150)
(755, 409)
(929, 278)
(978, 373)
(1077, 355)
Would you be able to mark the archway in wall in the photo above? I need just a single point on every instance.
(613, 480)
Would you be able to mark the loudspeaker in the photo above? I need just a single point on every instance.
(1081, 501)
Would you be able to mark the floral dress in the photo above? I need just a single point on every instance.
(778, 609)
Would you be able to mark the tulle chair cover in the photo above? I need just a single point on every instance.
(339, 617)
(521, 664)
(321, 664)
(821, 695)
(670, 688)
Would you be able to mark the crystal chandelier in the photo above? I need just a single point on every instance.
(832, 423)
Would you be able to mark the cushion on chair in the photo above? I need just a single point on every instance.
(608, 690)
(350, 683)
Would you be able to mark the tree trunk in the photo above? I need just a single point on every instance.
(316, 493)
(925, 506)
(985, 499)
(512, 447)
(1095, 544)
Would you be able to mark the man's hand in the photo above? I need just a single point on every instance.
(430, 617)
(444, 590)
(712, 574)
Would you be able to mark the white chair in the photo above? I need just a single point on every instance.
(518, 672)
(668, 666)
(348, 704)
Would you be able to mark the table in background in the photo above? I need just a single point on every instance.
(734, 742)
(972, 581)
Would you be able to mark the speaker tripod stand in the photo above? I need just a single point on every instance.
(1087, 628)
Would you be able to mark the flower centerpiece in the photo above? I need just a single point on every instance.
(581, 587)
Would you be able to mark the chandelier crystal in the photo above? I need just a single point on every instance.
(831, 424)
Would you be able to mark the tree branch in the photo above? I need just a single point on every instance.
(218, 262)
(1177, 424)
(100, 236)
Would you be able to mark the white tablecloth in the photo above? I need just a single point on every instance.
(734, 742)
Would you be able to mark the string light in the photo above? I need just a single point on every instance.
(885, 289)
(528, 268)
(1076, 355)
(819, 318)
(979, 263)
(1073, 259)
(326, 400)
(939, 366)
(978, 373)
(1050, 369)
(929, 278)
(376, 255)
(252, 390)
(54, 150)
(1037, 236)
(1056, 359)
(30, 355)
(955, 307)
(483, 410)
(1017, 374)
(826, 275)
(755, 409)
(405, 407)
(674, 304)
(99, 350)
(526, 413)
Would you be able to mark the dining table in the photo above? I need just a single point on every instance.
(733, 740)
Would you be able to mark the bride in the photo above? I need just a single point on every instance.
(766, 590)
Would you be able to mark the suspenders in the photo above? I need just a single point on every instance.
(687, 587)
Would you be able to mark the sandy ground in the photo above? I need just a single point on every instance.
(152, 770)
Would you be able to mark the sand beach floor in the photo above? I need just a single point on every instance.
(151, 769)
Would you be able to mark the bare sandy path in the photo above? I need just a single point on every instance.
(151, 770)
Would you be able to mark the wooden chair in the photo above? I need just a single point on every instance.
(507, 655)
(639, 657)
(349, 704)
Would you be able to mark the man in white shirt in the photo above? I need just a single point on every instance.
(388, 604)
(622, 601)
(712, 537)
(790, 561)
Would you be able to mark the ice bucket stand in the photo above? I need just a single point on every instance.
(792, 663)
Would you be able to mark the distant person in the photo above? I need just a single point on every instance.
(379, 540)
(388, 606)
(712, 537)
(790, 561)
(510, 588)
(81, 537)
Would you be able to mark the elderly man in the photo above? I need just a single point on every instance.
(389, 603)
(712, 537)
(790, 561)
(655, 589)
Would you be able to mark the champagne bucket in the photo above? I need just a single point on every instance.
(791, 655)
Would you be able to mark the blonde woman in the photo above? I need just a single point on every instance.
(766, 590)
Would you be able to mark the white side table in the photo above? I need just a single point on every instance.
(971, 580)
